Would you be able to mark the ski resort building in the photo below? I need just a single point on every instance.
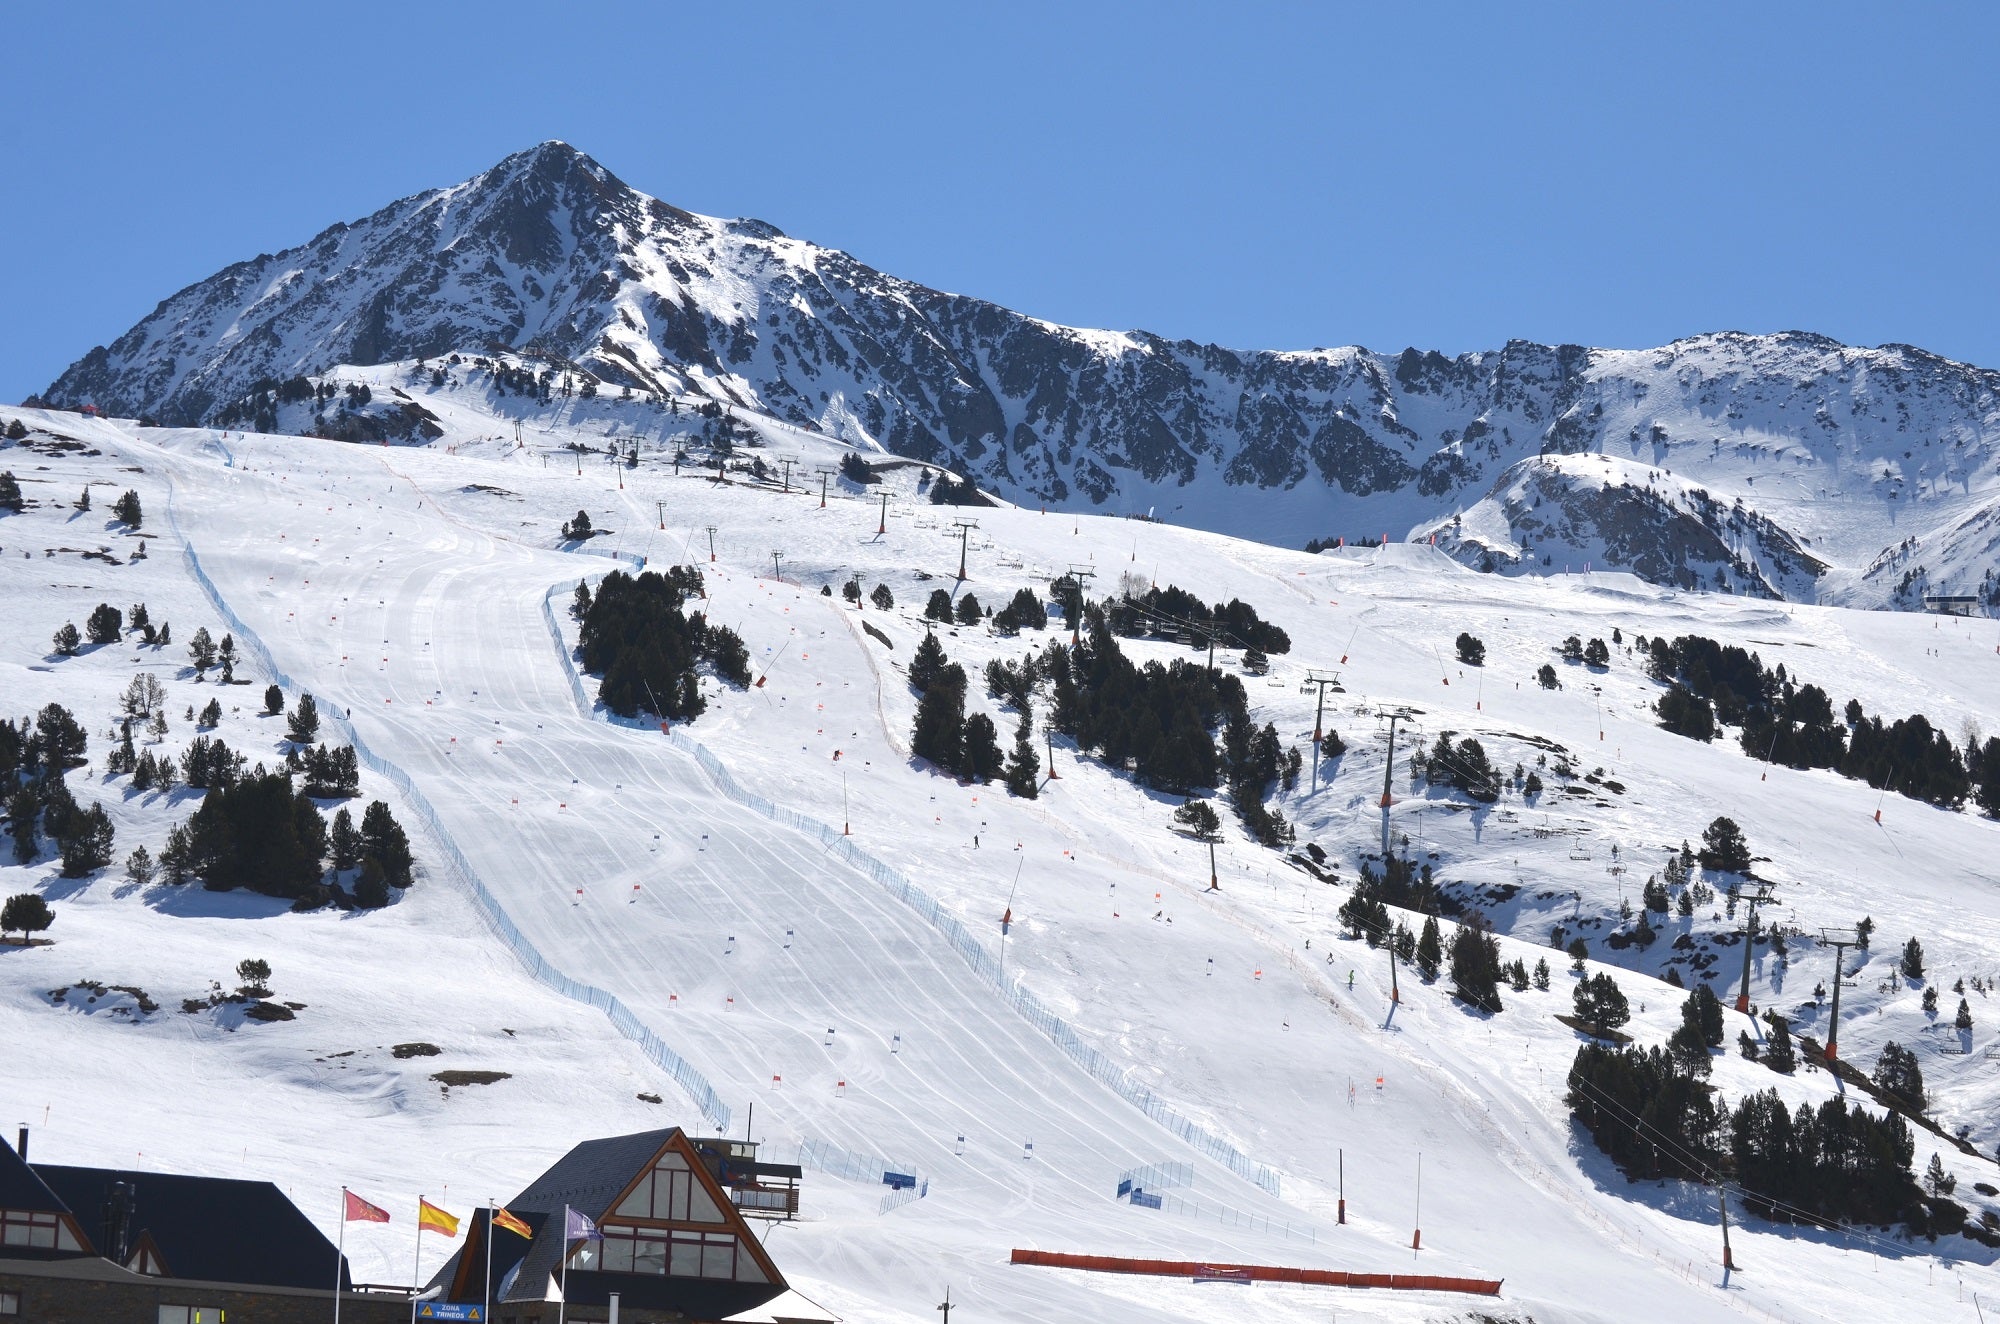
(107, 1246)
(668, 1235)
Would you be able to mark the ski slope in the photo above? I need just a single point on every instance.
(424, 592)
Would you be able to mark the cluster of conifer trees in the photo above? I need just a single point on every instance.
(638, 636)
(1711, 685)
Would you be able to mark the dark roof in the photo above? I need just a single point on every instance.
(20, 1188)
(591, 1175)
(212, 1228)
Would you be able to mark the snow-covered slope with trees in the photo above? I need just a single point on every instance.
(1842, 455)
(857, 986)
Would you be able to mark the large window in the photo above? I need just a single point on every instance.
(670, 1192)
(10, 1303)
(672, 1252)
(36, 1228)
(191, 1315)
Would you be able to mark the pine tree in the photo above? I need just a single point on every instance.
(1470, 650)
(201, 651)
(83, 502)
(105, 624)
(274, 701)
(211, 715)
(371, 886)
(1542, 975)
(938, 608)
(1475, 968)
(939, 732)
(25, 913)
(139, 866)
(67, 639)
(1723, 848)
(882, 597)
(1779, 1054)
(579, 606)
(303, 726)
(383, 840)
(968, 611)
(926, 663)
(86, 845)
(1964, 1019)
(982, 760)
(1913, 960)
(126, 508)
(1200, 818)
(1545, 676)
(1430, 951)
(346, 842)
(10, 492)
(1024, 766)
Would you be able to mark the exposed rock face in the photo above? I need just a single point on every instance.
(549, 251)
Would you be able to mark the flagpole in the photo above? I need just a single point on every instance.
(417, 1261)
(339, 1255)
(489, 1258)
(562, 1310)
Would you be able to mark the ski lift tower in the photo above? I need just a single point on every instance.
(825, 474)
(1078, 574)
(1760, 896)
(1840, 940)
(1389, 764)
(965, 528)
(1323, 680)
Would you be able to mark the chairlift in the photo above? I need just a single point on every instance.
(1579, 851)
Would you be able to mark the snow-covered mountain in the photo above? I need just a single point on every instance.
(1785, 464)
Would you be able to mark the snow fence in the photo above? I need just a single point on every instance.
(655, 1048)
(1258, 1273)
(983, 962)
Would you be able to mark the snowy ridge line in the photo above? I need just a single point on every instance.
(1101, 1068)
(691, 1081)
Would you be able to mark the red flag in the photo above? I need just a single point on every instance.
(360, 1211)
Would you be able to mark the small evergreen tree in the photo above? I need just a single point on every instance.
(274, 701)
(882, 597)
(86, 842)
(302, 727)
(968, 611)
(139, 866)
(1779, 1055)
(851, 591)
(1542, 975)
(25, 913)
(1723, 848)
(255, 976)
(1430, 951)
(926, 663)
(1579, 952)
(938, 607)
(345, 841)
(1024, 765)
(1199, 817)
(126, 508)
(579, 528)
(105, 624)
(383, 840)
(1545, 676)
(67, 639)
(83, 502)
(371, 886)
(10, 492)
(1937, 1181)
(939, 732)
(1898, 1076)
(1964, 1018)
(1913, 960)
(982, 760)
(201, 651)
(579, 603)
(1470, 650)
(1596, 655)
(211, 715)
(1475, 968)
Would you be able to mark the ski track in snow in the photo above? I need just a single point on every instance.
(477, 706)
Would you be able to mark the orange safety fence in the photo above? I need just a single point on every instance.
(1265, 1273)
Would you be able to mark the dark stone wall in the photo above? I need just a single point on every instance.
(47, 1300)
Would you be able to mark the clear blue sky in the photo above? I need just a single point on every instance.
(1262, 176)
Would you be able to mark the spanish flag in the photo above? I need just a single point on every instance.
(501, 1218)
(434, 1219)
